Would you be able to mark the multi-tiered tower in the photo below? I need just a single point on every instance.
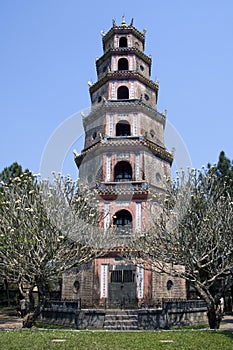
(125, 158)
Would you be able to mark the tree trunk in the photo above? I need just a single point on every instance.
(214, 314)
(31, 317)
(7, 292)
(31, 299)
(214, 318)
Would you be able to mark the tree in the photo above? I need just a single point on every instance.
(224, 167)
(12, 171)
(45, 229)
(223, 171)
(6, 176)
(194, 230)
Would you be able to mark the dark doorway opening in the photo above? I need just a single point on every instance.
(123, 64)
(123, 93)
(122, 172)
(123, 42)
(123, 128)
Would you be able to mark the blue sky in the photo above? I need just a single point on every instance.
(48, 50)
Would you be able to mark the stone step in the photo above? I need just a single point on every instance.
(120, 328)
(121, 323)
(120, 317)
(121, 320)
(120, 312)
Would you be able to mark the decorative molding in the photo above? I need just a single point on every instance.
(104, 281)
(138, 216)
(110, 124)
(140, 281)
(131, 89)
(106, 216)
(129, 41)
(124, 76)
(123, 155)
(116, 42)
(135, 124)
(137, 167)
(114, 63)
(108, 168)
(113, 90)
(130, 62)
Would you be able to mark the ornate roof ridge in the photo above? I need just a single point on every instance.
(124, 103)
(122, 75)
(125, 29)
(134, 49)
(142, 140)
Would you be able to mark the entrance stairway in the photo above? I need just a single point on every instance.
(121, 320)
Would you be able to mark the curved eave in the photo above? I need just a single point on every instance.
(108, 142)
(123, 30)
(159, 151)
(125, 105)
(123, 75)
(124, 50)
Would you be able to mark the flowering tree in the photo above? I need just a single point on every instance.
(45, 229)
(194, 230)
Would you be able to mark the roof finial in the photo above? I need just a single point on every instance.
(131, 23)
(113, 23)
(123, 23)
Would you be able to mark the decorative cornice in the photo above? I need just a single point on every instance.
(108, 142)
(123, 188)
(159, 151)
(123, 30)
(132, 105)
(124, 75)
(124, 50)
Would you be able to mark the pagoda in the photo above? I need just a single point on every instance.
(125, 159)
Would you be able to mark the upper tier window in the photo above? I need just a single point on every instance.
(123, 42)
(123, 93)
(123, 64)
(123, 128)
(123, 218)
(122, 172)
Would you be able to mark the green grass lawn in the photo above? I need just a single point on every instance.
(95, 340)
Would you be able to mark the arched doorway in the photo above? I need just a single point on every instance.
(123, 41)
(122, 172)
(123, 93)
(123, 64)
(123, 219)
(123, 128)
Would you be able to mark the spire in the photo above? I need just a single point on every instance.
(123, 23)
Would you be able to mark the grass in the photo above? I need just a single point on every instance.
(98, 340)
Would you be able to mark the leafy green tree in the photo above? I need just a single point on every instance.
(12, 171)
(223, 171)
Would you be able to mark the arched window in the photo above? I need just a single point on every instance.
(122, 172)
(123, 41)
(123, 93)
(123, 218)
(123, 64)
(123, 128)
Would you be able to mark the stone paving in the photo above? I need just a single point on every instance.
(227, 323)
(10, 320)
